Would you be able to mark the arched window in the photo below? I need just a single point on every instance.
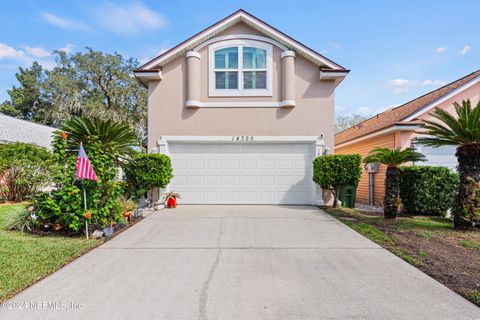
(240, 68)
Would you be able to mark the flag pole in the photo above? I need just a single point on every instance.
(85, 206)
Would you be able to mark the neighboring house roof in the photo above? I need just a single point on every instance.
(254, 22)
(406, 114)
(16, 130)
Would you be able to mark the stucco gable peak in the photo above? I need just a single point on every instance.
(240, 16)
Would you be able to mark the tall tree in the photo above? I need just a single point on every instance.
(392, 159)
(345, 122)
(461, 130)
(89, 84)
(27, 101)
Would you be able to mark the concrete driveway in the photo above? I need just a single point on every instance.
(239, 262)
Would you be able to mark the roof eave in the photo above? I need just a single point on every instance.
(144, 76)
(337, 75)
(386, 130)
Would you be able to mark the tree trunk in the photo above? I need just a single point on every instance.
(466, 200)
(335, 198)
(390, 201)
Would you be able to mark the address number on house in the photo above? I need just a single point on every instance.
(242, 138)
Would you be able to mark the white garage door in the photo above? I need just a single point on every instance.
(243, 173)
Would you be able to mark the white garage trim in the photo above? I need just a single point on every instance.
(317, 148)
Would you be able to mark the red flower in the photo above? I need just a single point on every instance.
(87, 214)
(64, 135)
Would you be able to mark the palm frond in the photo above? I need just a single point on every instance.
(114, 136)
(447, 129)
(395, 157)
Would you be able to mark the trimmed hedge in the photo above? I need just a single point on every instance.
(427, 190)
(147, 171)
(335, 171)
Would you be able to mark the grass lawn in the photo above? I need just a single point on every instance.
(25, 258)
(429, 243)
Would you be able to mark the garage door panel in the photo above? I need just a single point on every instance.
(214, 164)
(214, 180)
(197, 180)
(249, 180)
(249, 164)
(232, 164)
(267, 164)
(242, 173)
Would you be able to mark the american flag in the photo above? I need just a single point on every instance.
(84, 167)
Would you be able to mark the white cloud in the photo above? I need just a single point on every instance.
(465, 50)
(64, 23)
(26, 57)
(67, 49)
(401, 86)
(9, 52)
(441, 49)
(130, 19)
(36, 52)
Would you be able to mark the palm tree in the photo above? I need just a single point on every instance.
(461, 130)
(116, 137)
(392, 159)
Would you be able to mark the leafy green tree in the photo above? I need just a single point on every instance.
(24, 170)
(92, 84)
(393, 159)
(461, 130)
(27, 101)
(146, 172)
(334, 171)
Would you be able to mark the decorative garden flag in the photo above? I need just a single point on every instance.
(84, 167)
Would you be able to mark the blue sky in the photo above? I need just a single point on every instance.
(397, 50)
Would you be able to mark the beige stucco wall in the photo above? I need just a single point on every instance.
(313, 114)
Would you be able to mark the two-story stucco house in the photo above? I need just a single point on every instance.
(242, 110)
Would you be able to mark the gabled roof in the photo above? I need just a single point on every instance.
(406, 113)
(17, 130)
(254, 22)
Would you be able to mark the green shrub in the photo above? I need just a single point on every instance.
(333, 172)
(427, 190)
(63, 208)
(147, 171)
(24, 170)
(20, 220)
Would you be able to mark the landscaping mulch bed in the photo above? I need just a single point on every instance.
(429, 243)
(443, 258)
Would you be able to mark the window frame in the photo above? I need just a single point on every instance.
(240, 92)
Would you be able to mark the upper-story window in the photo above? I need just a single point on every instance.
(240, 68)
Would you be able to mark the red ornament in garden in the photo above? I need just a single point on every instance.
(171, 202)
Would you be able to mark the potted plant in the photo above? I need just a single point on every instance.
(171, 199)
